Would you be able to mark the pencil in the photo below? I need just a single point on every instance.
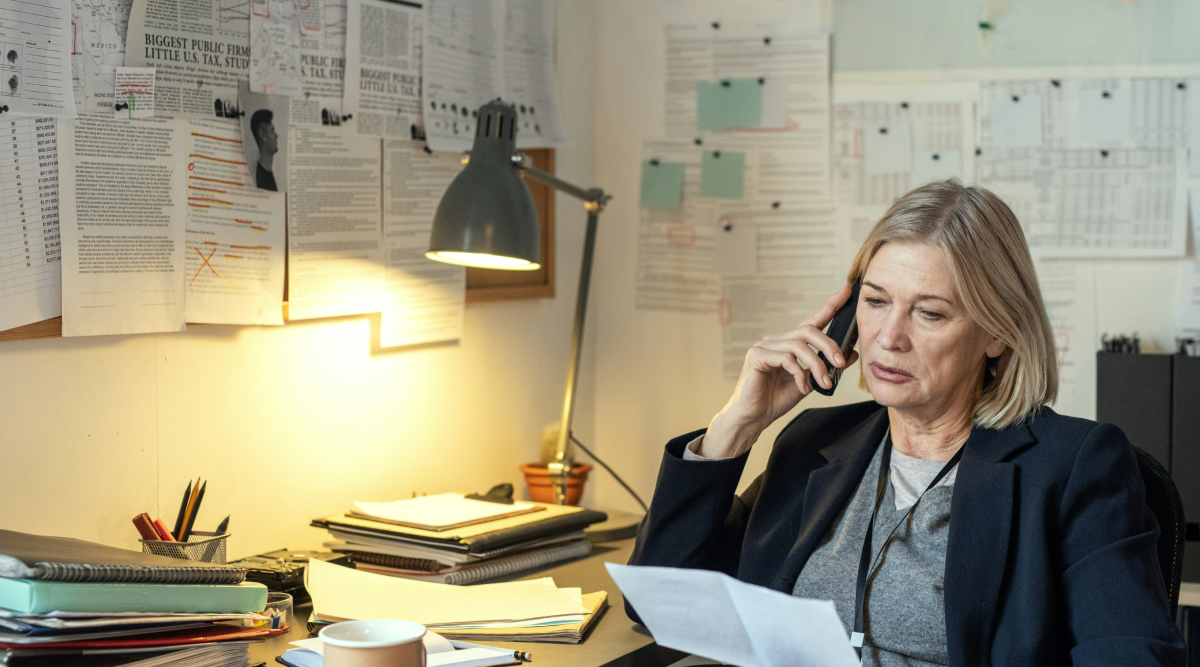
(187, 514)
(187, 492)
(187, 531)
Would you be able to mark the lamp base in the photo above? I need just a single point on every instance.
(619, 526)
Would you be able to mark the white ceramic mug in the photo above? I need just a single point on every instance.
(374, 643)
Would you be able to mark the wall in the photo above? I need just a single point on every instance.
(290, 423)
(659, 375)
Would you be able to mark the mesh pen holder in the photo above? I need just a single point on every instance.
(201, 547)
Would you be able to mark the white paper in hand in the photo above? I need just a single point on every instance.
(716, 616)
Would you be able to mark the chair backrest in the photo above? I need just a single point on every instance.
(1163, 499)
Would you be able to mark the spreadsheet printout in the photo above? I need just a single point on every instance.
(30, 270)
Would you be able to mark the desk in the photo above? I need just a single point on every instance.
(615, 638)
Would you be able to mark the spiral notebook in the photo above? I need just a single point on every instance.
(38, 557)
(473, 572)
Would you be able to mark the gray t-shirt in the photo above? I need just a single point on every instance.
(905, 613)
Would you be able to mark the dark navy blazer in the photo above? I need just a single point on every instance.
(1051, 558)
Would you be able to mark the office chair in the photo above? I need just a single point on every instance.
(1163, 499)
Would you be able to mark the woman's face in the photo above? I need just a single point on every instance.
(920, 351)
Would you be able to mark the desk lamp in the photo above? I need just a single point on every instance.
(487, 219)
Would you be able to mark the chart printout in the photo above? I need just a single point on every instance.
(30, 268)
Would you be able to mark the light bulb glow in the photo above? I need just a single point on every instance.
(483, 260)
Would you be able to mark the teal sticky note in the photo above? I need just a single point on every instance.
(728, 103)
(721, 174)
(662, 184)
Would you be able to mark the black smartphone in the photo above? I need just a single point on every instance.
(843, 329)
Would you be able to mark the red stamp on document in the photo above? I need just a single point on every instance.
(681, 236)
(724, 312)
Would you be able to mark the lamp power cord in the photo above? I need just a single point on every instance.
(612, 472)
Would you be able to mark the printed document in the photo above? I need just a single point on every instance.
(200, 50)
(35, 58)
(235, 233)
(423, 299)
(335, 232)
(716, 616)
(383, 68)
(30, 270)
(475, 52)
(123, 215)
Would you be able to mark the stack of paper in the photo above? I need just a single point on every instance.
(535, 610)
(66, 597)
(450, 539)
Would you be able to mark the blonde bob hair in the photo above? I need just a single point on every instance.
(989, 262)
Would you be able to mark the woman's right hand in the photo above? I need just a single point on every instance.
(778, 372)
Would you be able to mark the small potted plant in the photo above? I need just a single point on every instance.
(537, 475)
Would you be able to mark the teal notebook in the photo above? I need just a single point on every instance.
(28, 596)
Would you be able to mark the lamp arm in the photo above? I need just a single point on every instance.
(593, 196)
(593, 200)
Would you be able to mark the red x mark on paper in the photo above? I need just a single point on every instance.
(205, 263)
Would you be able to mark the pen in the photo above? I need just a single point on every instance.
(187, 492)
(522, 655)
(223, 527)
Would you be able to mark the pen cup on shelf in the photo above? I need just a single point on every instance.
(202, 547)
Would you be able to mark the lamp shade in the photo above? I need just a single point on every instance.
(487, 217)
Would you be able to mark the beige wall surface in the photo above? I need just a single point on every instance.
(295, 422)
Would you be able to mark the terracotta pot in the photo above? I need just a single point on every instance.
(537, 477)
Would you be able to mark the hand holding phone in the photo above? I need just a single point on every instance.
(843, 329)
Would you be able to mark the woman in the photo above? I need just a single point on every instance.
(1001, 533)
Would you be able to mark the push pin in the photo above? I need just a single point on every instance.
(774, 204)
(883, 130)
(698, 141)
(936, 157)
(3, 108)
(716, 154)
(904, 105)
(654, 163)
(767, 41)
(428, 150)
(1181, 85)
(1055, 82)
(728, 227)
(1016, 98)
(1103, 153)
(119, 106)
(716, 25)
(347, 117)
(725, 83)
(762, 80)
(1105, 95)
(978, 151)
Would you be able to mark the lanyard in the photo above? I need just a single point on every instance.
(865, 565)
